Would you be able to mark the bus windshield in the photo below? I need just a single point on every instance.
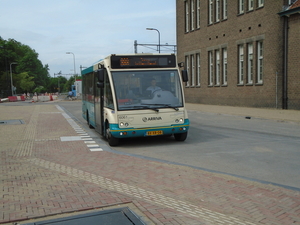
(153, 89)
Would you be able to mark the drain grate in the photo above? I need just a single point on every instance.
(11, 122)
(118, 216)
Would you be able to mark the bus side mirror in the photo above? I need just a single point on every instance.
(184, 75)
(100, 84)
(100, 75)
(100, 78)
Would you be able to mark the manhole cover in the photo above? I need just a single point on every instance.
(11, 122)
(117, 216)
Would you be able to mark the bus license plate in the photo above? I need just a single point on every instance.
(153, 133)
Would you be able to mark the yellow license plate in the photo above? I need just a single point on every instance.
(153, 133)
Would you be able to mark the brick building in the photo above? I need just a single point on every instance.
(240, 53)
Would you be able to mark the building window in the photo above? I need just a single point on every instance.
(261, 3)
(218, 67)
(250, 64)
(211, 12)
(260, 58)
(192, 15)
(241, 65)
(224, 9)
(218, 10)
(291, 2)
(211, 68)
(224, 66)
(198, 14)
(192, 71)
(187, 63)
(198, 69)
(241, 6)
(250, 5)
(186, 16)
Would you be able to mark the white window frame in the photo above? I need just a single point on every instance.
(225, 9)
(261, 3)
(218, 67)
(250, 64)
(192, 70)
(218, 10)
(250, 5)
(225, 66)
(198, 82)
(241, 64)
(241, 6)
(260, 66)
(198, 14)
(210, 11)
(187, 63)
(211, 68)
(192, 14)
(187, 22)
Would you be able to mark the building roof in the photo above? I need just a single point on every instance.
(292, 9)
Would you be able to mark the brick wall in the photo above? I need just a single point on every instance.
(294, 62)
(262, 24)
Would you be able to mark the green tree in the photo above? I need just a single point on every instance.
(24, 81)
(27, 62)
(57, 84)
(69, 83)
(40, 89)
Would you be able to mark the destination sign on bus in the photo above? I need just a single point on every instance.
(158, 61)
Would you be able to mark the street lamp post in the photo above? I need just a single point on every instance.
(158, 37)
(11, 81)
(59, 73)
(74, 63)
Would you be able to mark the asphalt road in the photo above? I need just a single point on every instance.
(256, 149)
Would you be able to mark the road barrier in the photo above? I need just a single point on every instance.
(44, 98)
(4, 100)
(40, 98)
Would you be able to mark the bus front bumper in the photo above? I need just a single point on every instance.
(149, 131)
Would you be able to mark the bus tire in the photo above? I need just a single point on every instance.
(180, 136)
(112, 141)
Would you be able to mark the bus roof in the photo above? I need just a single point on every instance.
(95, 65)
(87, 70)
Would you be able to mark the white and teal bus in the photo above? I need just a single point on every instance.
(135, 95)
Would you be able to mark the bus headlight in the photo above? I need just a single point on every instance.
(179, 120)
(124, 124)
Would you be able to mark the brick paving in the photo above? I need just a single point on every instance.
(42, 175)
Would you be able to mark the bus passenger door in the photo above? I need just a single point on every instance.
(98, 105)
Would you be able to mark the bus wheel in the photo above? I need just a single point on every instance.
(112, 141)
(180, 136)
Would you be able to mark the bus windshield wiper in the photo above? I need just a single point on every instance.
(164, 105)
(141, 107)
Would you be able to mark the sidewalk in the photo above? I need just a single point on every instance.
(273, 114)
(48, 169)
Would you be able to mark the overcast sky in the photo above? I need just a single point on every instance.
(91, 29)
